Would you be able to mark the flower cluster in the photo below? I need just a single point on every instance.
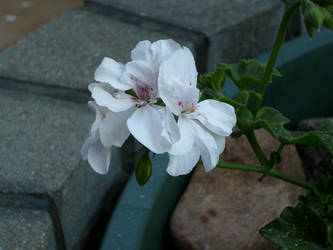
(144, 98)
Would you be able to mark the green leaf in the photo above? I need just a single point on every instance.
(214, 80)
(143, 169)
(321, 137)
(299, 228)
(272, 120)
(242, 97)
(246, 73)
(245, 118)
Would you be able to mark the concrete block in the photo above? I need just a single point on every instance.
(40, 155)
(236, 29)
(66, 51)
(26, 229)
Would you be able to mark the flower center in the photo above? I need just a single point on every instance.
(144, 91)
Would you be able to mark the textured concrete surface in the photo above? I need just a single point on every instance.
(26, 229)
(236, 29)
(40, 152)
(66, 51)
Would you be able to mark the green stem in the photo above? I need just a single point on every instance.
(257, 149)
(276, 49)
(272, 172)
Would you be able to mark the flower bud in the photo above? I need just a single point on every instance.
(313, 17)
(143, 169)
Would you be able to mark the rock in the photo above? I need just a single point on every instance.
(235, 29)
(224, 209)
(316, 161)
(26, 229)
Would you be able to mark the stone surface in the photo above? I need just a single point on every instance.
(26, 229)
(236, 29)
(316, 161)
(40, 152)
(66, 51)
(224, 209)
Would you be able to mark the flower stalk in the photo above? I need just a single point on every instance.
(270, 172)
(276, 48)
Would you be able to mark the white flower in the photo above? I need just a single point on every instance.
(93, 150)
(203, 126)
(152, 125)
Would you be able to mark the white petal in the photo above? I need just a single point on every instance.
(217, 116)
(206, 143)
(109, 71)
(170, 127)
(113, 129)
(86, 146)
(161, 50)
(99, 157)
(177, 81)
(120, 102)
(103, 85)
(139, 71)
(155, 52)
(146, 126)
(183, 164)
(220, 142)
(98, 119)
(185, 143)
(141, 51)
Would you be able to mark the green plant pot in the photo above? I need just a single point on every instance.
(306, 90)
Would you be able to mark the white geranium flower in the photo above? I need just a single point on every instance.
(93, 150)
(152, 125)
(203, 126)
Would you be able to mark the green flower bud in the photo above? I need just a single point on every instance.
(328, 18)
(143, 169)
(314, 16)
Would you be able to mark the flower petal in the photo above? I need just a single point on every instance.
(161, 50)
(86, 146)
(170, 127)
(177, 81)
(99, 157)
(113, 129)
(183, 164)
(109, 71)
(155, 52)
(99, 116)
(119, 102)
(220, 142)
(141, 51)
(206, 143)
(146, 126)
(185, 143)
(139, 71)
(217, 116)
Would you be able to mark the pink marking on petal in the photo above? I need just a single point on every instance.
(190, 83)
(180, 104)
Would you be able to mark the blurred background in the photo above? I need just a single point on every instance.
(19, 17)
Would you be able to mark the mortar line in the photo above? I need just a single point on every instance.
(47, 90)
